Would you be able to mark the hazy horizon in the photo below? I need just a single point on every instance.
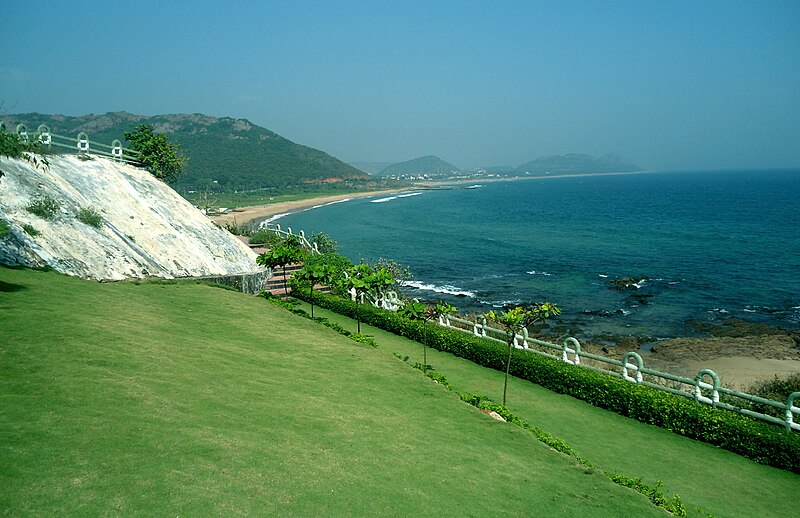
(683, 85)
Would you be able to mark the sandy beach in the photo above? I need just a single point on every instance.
(247, 214)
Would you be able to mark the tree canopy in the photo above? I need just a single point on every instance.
(156, 153)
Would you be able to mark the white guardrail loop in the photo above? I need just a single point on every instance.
(81, 145)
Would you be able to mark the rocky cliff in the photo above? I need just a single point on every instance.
(139, 227)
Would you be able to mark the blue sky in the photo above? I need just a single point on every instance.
(669, 85)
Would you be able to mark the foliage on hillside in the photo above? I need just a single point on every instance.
(226, 154)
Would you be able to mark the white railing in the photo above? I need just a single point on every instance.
(704, 388)
(304, 242)
(81, 144)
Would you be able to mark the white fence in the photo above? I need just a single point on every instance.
(704, 388)
(81, 144)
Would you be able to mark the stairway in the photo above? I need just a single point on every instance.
(274, 284)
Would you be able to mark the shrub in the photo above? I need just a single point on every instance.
(13, 146)
(236, 229)
(265, 237)
(30, 230)
(777, 389)
(325, 243)
(751, 438)
(3, 228)
(89, 216)
(44, 206)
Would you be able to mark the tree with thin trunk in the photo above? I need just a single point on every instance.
(361, 279)
(515, 320)
(314, 274)
(415, 310)
(281, 256)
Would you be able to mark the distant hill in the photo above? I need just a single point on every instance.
(236, 153)
(430, 165)
(577, 164)
(371, 167)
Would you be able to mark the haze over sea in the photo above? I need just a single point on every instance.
(712, 245)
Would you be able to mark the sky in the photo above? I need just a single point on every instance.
(668, 85)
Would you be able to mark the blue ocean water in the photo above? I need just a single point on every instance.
(712, 246)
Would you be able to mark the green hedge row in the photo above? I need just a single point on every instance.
(751, 438)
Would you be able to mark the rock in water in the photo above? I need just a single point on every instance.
(145, 228)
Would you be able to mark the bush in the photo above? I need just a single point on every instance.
(325, 243)
(44, 206)
(236, 229)
(266, 237)
(776, 389)
(3, 228)
(89, 216)
(30, 230)
(751, 438)
(13, 146)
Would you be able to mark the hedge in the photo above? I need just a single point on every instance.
(757, 440)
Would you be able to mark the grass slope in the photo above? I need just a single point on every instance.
(708, 479)
(183, 399)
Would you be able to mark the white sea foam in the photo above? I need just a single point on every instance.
(390, 198)
(272, 218)
(603, 276)
(330, 203)
(501, 303)
(534, 272)
(446, 288)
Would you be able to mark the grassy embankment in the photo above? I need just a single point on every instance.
(182, 399)
(708, 479)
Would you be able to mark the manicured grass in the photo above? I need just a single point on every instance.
(719, 482)
(167, 399)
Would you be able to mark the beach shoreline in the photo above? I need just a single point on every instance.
(246, 214)
(243, 215)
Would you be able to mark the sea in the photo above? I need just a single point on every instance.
(695, 246)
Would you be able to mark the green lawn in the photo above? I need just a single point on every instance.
(168, 399)
(719, 482)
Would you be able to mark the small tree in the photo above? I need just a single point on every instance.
(280, 256)
(515, 320)
(314, 274)
(156, 153)
(418, 311)
(362, 279)
(358, 279)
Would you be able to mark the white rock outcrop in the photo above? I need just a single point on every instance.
(148, 230)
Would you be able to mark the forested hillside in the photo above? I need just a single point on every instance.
(225, 154)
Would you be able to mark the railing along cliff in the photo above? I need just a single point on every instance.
(81, 144)
(705, 388)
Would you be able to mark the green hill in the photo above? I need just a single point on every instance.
(577, 164)
(429, 165)
(224, 153)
